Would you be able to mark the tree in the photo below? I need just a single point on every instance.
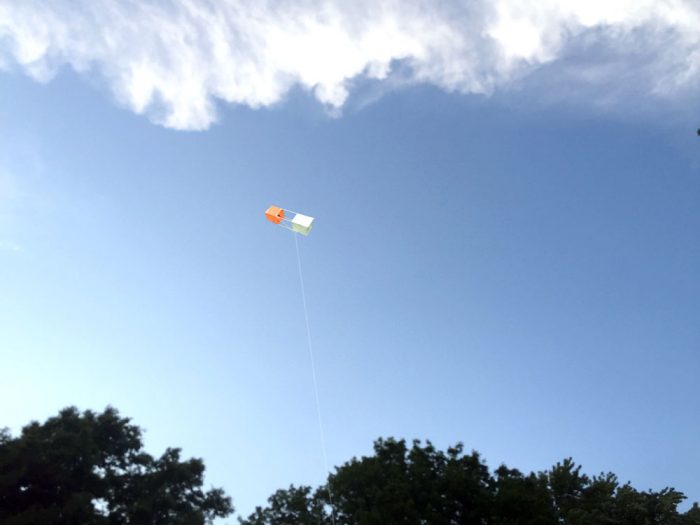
(294, 506)
(90, 469)
(421, 485)
(521, 500)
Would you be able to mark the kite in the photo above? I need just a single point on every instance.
(290, 220)
(300, 223)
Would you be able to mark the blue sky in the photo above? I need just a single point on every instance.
(514, 267)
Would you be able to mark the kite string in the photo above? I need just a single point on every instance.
(313, 373)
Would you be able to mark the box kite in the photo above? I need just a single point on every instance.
(290, 219)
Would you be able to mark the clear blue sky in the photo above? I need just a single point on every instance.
(516, 272)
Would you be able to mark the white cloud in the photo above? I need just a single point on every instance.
(175, 59)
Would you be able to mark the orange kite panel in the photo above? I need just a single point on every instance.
(274, 214)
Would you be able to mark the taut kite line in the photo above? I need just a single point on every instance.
(300, 223)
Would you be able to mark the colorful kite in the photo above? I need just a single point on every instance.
(290, 219)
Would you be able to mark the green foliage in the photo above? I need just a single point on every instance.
(294, 506)
(89, 469)
(420, 485)
(693, 515)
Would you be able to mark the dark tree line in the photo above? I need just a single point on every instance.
(90, 469)
(420, 485)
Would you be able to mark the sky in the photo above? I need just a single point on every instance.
(505, 251)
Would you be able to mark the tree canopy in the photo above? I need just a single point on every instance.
(89, 468)
(420, 485)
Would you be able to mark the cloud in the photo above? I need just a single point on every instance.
(175, 60)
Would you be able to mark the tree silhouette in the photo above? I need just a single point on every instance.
(420, 485)
(90, 469)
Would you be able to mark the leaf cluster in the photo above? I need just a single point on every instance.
(421, 485)
(89, 468)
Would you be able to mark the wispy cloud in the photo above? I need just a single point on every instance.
(174, 59)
